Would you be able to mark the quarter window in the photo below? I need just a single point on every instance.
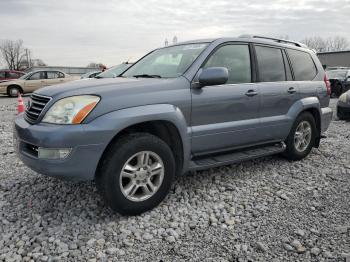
(270, 64)
(236, 59)
(303, 66)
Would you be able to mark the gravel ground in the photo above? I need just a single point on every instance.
(263, 210)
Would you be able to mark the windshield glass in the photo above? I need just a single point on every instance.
(114, 71)
(168, 62)
(25, 76)
(334, 74)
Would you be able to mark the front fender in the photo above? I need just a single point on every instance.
(112, 123)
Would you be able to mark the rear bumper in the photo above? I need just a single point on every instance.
(326, 118)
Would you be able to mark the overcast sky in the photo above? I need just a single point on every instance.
(72, 32)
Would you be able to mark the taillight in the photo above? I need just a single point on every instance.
(328, 84)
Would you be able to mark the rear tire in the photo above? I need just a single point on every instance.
(301, 138)
(338, 90)
(136, 174)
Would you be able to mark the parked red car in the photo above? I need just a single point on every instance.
(6, 75)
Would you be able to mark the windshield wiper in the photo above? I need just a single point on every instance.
(147, 76)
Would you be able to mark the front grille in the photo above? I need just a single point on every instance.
(36, 106)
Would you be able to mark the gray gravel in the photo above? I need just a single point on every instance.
(263, 210)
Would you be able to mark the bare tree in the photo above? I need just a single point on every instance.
(12, 52)
(337, 43)
(316, 42)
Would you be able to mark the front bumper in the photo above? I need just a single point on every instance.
(87, 148)
(326, 118)
(343, 110)
(3, 89)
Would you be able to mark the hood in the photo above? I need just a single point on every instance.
(118, 93)
(101, 87)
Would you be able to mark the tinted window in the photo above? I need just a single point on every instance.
(303, 65)
(52, 75)
(270, 64)
(236, 59)
(2, 74)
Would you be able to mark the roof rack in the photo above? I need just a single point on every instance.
(274, 39)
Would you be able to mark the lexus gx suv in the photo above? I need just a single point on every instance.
(191, 106)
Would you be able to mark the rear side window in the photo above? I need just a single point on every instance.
(303, 66)
(236, 58)
(270, 64)
(52, 75)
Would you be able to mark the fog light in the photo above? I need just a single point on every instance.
(53, 153)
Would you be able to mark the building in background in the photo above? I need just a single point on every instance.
(70, 70)
(334, 58)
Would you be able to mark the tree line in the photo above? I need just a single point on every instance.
(16, 56)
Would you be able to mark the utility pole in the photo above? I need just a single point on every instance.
(28, 58)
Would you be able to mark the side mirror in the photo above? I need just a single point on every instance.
(213, 76)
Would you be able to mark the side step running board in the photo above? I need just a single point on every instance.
(237, 156)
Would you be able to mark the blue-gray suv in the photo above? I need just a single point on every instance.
(190, 106)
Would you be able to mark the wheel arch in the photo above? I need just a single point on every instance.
(14, 85)
(169, 125)
(311, 105)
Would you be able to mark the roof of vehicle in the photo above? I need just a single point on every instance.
(48, 70)
(252, 39)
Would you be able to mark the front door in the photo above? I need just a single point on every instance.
(35, 81)
(226, 116)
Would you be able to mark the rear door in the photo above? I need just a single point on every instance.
(53, 77)
(226, 116)
(278, 91)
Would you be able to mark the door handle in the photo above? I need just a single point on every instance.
(291, 90)
(251, 92)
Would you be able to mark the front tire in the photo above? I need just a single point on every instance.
(301, 138)
(13, 91)
(136, 174)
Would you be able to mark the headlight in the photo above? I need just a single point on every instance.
(343, 98)
(71, 110)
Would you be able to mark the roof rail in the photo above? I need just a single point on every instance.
(278, 40)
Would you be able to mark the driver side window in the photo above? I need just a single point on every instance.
(236, 58)
(38, 76)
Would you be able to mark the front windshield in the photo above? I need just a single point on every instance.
(168, 62)
(336, 74)
(25, 76)
(114, 71)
